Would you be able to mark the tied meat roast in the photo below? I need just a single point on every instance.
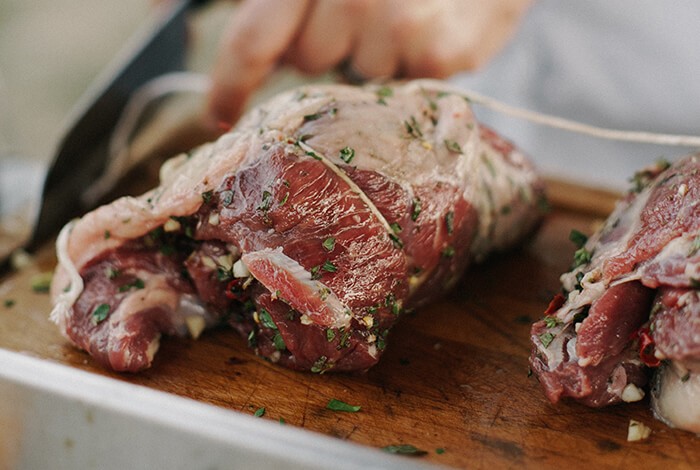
(310, 228)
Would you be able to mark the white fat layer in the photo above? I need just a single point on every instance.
(676, 398)
(339, 311)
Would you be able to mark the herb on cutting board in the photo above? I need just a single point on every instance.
(338, 405)
(404, 449)
(41, 282)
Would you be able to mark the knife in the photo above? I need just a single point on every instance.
(82, 154)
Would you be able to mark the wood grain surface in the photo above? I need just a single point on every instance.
(453, 382)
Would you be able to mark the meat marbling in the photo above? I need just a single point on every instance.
(631, 303)
(309, 228)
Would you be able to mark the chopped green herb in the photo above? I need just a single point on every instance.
(315, 272)
(329, 267)
(284, 199)
(226, 198)
(347, 154)
(395, 227)
(312, 117)
(278, 341)
(260, 412)
(384, 92)
(417, 207)
(330, 335)
(413, 128)
(450, 222)
(112, 273)
(312, 154)
(266, 320)
(266, 201)
(404, 449)
(546, 339)
(282, 421)
(108, 234)
(329, 244)
(694, 247)
(100, 313)
(578, 238)
(337, 405)
(448, 252)
(252, 340)
(396, 240)
(9, 303)
(439, 451)
(136, 284)
(41, 282)
(207, 196)
(581, 257)
(320, 365)
(551, 322)
(453, 146)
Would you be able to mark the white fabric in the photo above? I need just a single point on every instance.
(622, 64)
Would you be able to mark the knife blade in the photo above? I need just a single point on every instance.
(81, 155)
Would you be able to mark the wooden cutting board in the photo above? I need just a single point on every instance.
(453, 382)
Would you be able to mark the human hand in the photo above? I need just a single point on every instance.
(375, 38)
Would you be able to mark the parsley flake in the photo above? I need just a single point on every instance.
(416, 210)
(546, 339)
(337, 405)
(260, 412)
(450, 222)
(453, 146)
(136, 284)
(41, 282)
(329, 244)
(329, 267)
(404, 449)
(347, 154)
(578, 238)
(100, 313)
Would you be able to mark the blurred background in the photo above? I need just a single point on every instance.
(49, 53)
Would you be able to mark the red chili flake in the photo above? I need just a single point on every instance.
(555, 304)
(646, 348)
(233, 289)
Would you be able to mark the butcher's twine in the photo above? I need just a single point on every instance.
(181, 82)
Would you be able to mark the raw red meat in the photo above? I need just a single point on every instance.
(633, 304)
(310, 228)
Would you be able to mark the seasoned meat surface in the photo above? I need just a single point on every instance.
(310, 228)
(631, 303)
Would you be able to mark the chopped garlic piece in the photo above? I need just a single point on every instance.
(214, 218)
(305, 320)
(226, 261)
(632, 393)
(171, 225)
(368, 320)
(637, 431)
(195, 325)
(240, 269)
(209, 263)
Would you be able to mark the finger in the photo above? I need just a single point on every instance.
(256, 37)
(376, 54)
(327, 36)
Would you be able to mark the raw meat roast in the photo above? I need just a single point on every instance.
(310, 228)
(631, 303)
